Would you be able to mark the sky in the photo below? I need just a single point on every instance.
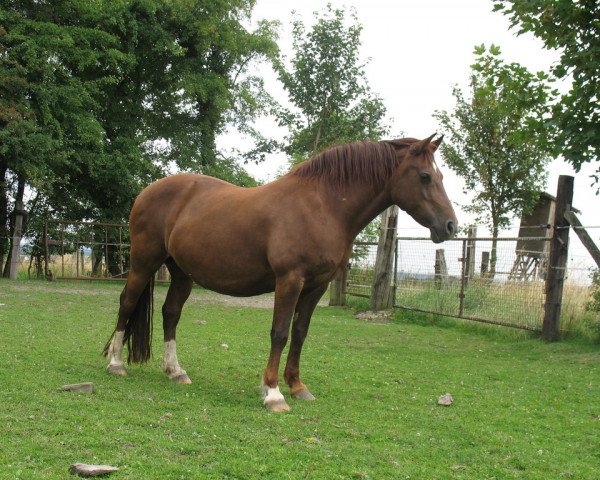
(417, 51)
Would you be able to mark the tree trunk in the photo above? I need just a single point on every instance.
(4, 233)
(15, 231)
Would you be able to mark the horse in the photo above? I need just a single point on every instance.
(290, 236)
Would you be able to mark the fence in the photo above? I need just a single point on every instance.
(454, 279)
(458, 281)
(85, 250)
(529, 292)
(88, 251)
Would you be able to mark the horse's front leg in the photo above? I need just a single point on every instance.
(287, 291)
(304, 310)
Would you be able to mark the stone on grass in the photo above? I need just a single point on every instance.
(85, 470)
(445, 400)
(86, 387)
(225, 346)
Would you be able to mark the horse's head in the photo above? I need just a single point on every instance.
(417, 187)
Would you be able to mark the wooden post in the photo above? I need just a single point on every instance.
(557, 263)
(16, 241)
(337, 288)
(485, 264)
(471, 234)
(381, 289)
(440, 269)
(583, 236)
(463, 279)
(161, 276)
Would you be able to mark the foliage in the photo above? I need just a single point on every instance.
(325, 82)
(572, 28)
(98, 98)
(594, 304)
(497, 139)
(527, 410)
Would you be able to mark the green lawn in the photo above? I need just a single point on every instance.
(523, 409)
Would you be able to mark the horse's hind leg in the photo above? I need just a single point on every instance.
(136, 284)
(179, 291)
(304, 310)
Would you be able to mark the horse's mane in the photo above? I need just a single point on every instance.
(362, 162)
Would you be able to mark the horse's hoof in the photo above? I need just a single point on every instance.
(182, 379)
(303, 395)
(277, 406)
(117, 370)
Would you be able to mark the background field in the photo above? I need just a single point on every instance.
(523, 409)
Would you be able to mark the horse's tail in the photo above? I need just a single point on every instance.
(138, 329)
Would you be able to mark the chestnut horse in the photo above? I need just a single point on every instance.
(289, 236)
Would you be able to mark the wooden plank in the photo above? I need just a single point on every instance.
(559, 249)
(583, 236)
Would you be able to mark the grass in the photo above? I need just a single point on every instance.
(523, 409)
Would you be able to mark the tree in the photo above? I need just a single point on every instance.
(571, 27)
(45, 111)
(97, 98)
(326, 85)
(496, 139)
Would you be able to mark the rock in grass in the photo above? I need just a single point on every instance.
(84, 470)
(445, 400)
(86, 387)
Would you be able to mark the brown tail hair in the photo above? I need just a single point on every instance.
(138, 329)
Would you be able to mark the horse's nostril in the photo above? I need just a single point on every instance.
(450, 228)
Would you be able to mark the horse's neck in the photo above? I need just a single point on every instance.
(356, 206)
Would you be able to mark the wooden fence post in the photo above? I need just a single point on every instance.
(337, 288)
(471, 234)
(161, 275)
(440, 269)
(559, 248)
(382, 296)
(485, 263)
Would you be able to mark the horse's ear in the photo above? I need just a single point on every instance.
(437, 142)
(419, 147)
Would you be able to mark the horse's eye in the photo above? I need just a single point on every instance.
(426, 177)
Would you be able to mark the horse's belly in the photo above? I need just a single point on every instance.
(246, 287)
(225, 275)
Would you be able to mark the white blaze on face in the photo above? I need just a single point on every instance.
(170, 363)
(115, 349)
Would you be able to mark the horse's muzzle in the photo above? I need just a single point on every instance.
(440, 234)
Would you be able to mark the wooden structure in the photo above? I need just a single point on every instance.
(532, 249)
(557, 265)
(383, 287)
(440, 268)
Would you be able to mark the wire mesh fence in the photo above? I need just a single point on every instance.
(499, 281)
(463, 280)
